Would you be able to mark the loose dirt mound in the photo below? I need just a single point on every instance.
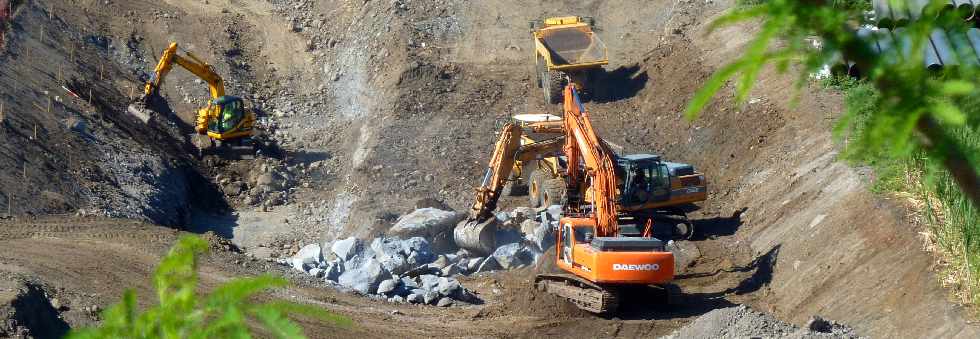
(743, 322)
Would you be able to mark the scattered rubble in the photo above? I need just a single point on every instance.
(744, 322)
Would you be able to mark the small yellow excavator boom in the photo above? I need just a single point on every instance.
(192, 64)
(225, 119)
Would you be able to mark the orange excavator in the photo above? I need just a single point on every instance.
(599, 243)
(590, 247)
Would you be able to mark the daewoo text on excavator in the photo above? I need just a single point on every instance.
(227, 121)
(603, 246)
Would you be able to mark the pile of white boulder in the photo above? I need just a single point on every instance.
(416, 260)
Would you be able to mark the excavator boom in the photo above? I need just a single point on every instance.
(582, 142)
(192, 64)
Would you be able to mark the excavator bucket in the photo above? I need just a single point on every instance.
(479, 237)
(139, 111)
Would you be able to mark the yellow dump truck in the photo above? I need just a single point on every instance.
(566, 50)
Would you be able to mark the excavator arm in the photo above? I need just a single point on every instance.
(192, 64)
(477, 231)
(582, 144)
(495, 177)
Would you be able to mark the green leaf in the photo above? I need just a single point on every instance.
(957, 88)
(738, 15)
(717, 80)
(277, 323)
(948, 113)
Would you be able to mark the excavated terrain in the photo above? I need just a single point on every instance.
(369, 106)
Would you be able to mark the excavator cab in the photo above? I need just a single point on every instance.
(645, 179)
(226, 119)
(231, 111)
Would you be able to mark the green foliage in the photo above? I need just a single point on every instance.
(181, 313)
(902, 119)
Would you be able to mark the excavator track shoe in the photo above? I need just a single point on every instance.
(584, 294)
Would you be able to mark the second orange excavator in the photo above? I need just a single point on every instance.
(606, 241)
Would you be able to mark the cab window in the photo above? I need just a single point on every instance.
(582, 233)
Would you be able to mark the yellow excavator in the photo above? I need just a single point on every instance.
(227, 120)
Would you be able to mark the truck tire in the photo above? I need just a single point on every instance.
(536, 188)
(553, 192)
(555, 84)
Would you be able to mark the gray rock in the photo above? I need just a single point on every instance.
(523, 213)
(448, 287)
(389, 252)
(445, 302)
(365, 278)
(512, 256)
(429, 282)
(387, 287)
(316, 272)
(425, 222)
(396, 299)
(543, 236)
(489, 264)
(430, 297)
(450, 270)
(502, 217)
(409, 283)
(333, 271)
(440, 262)
(429, 223)
(347, 248)
(528, 226)
(554, 212)
(307, 257)
(418, 250)
(474, 264)
(415, 298)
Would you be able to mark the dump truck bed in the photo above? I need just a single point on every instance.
(572, 47)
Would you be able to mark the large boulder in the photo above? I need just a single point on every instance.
(347, 248)
(429, 223)
(308, 257)
(418, 251)
(448, 287)
(487, 265)
(543, 236)
(365, 278)
(390, 252)
(425, 222)
(388, 286)
(429, 281)
(512, 256)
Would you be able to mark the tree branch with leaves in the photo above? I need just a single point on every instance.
(917, 107)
